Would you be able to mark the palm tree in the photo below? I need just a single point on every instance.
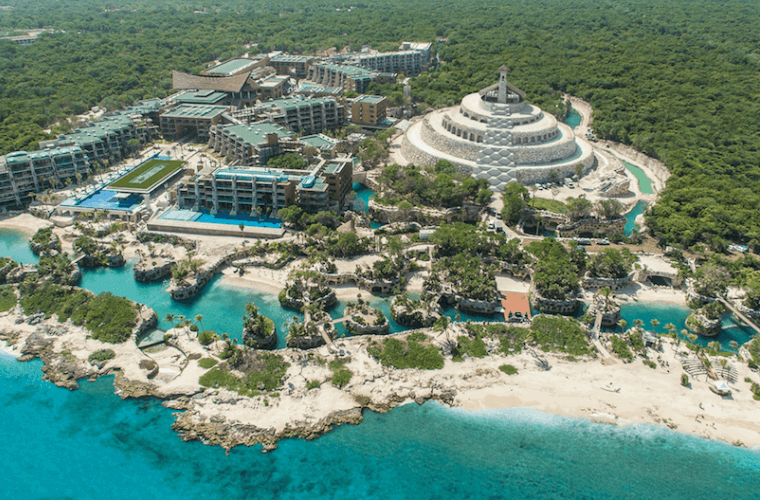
(199, 319)
(671, 328)
(654, 322)
(638, 323)
(692, 337)
(622, 324)
(169, 318)
(735, 346)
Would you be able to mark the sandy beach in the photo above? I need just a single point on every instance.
(642, 396)
(640, 292)
(26, 223)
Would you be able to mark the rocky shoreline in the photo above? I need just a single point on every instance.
(307, 405)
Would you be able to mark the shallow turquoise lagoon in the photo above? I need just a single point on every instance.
(221, 306)
(89, 444)
(15, 244)
(645, 183)
(363, 194)
(573, 118)
(630, 217)
(669, 313)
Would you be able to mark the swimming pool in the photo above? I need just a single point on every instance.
(221, 218)
(105, 199)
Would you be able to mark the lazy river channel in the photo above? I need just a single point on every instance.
(222, 306)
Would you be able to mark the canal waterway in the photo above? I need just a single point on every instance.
(645, 183)
(222, 306)
(630, 217)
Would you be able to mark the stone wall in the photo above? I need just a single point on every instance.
(592, 225)
(693, 296)
(306, 342)
(532, 175)
(751, 313)
(610, 315)
(702, 325)
(657, 167)
(552, 306)
(416, 156)
(614, 283)
(268, 342)
(357, 329)
(146, 271)
(386, 213)
(455, 146)
(541, 154)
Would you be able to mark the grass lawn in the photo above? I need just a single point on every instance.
(147, 174)
(550, 205)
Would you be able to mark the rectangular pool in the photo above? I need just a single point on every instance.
(104, 199)
(221, 218)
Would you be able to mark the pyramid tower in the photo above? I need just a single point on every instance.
(496, 159)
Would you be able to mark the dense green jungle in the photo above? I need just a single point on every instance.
(676, 79)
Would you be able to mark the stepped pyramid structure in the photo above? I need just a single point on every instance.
(495, 135)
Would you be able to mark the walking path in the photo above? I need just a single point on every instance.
(739, 314)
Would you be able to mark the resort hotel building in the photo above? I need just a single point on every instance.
(495, 135)
(253, 190)
(308, 115)
(72, 156)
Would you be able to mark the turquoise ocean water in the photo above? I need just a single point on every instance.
(89, 443)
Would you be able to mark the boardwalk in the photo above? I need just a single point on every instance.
(739, 314)
(606, 357)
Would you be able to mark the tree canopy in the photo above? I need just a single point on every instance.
(675, 79)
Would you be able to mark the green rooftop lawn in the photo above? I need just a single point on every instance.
(147, 174)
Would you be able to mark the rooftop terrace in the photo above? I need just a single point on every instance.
(256, 133)
(205, 112)
(231, 67)
(200, 97)
(371, 99)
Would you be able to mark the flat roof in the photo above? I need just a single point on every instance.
(256, 133)
(259, 173)
(147, 176)
(204, 112)
(315, 88)
(296, 102)
(272, 81)
(200, 97)
(372, 99)
(318, 141)
(348, 70)
(290, 58)
(335, 167)
(231, 67)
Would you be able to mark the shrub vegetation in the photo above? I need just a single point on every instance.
(412, 353)
(109, 318)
